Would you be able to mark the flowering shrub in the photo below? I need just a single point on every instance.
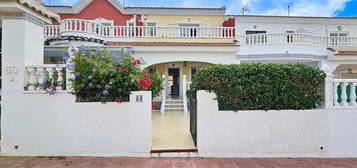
(102, 77)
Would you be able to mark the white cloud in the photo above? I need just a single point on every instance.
(308, 8)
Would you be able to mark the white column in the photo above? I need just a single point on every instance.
(163, 94)
(329, 91)
(184, 97)
(335, 87)
(60, 78)
(343, 93)
(353, 94)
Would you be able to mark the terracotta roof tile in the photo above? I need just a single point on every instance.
(230, 44)
(347, 53)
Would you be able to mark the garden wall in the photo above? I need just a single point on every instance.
(43, 125)
(286, 133)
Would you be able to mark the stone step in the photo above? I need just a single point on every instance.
(173, 109)
(174, 106)
(175, 154)
(174, 101)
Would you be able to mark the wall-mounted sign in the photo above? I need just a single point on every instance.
(139, 98)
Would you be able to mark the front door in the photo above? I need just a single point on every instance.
(174, 80)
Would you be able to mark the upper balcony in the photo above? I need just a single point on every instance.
(91, 29)
(292, 44)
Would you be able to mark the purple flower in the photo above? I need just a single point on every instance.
(131, 51)
(90, 77)
(105, 92)
(74, 49)
(83, 53)
(77, 74)
(83, 48)
(93, 53)
(66, 58)
(120, 62)
(52, 92)
(112, 58)
(71, 66)
(101, 57)
(94, 70)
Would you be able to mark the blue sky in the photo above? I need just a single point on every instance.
(266, 7)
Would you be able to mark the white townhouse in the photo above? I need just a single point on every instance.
(175, 43)
(289, 39)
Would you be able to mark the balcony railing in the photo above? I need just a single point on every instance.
(345, 93)
(295, 39)
(84, 26)
(41, 78)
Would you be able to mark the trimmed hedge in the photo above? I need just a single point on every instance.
(261, 86)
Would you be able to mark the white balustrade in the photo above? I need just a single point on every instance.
(344, 92)
(92, 27)
(43, 77)
(261, 39)
(303, 39)
(51, 30)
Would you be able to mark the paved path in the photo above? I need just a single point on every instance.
(95, 162)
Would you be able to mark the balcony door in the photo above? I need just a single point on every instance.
(255, 38)
(189, 30)
(338, 38)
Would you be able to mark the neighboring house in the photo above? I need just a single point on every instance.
(309, 40)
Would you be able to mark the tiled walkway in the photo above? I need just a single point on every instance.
(94, 162)
(171, 131)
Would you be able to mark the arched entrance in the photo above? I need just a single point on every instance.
(171, 125)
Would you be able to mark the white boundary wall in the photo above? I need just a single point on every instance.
(283, 133)
(46, 125)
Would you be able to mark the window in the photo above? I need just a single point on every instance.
(258, 39)
(290, 36)
(152, 69)
(193, 72)
(152, 29)
(339, 34)
(337, 38)
(189, 30)
(55, 55)
(249, 32)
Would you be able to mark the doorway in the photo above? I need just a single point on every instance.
(174, 82)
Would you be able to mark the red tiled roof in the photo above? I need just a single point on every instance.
(346, 53)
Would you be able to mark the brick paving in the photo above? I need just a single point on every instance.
(97, 162)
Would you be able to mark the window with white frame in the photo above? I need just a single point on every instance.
(151, 29)
(189, 30)
(338, 38)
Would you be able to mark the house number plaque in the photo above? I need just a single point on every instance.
(11, 71)
(139, 98)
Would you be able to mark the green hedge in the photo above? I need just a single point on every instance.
(261, 86)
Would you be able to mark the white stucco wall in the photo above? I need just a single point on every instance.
(205, 54)
(343, 132)
(43, 125)
(259, 133)
(56, 125)
(278, 25)
(283, 133)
